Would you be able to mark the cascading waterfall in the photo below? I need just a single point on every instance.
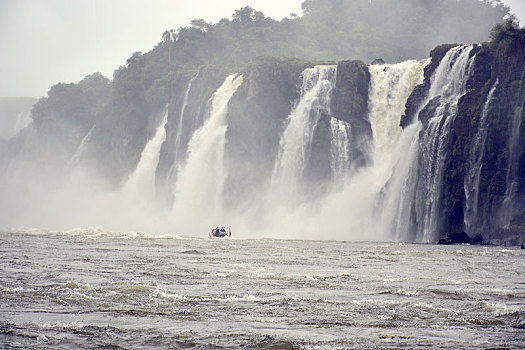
(199, 185)
(448, 85)
(390, 87)
(365, 207)
(142, 181)
(506, 211)
(475, 165)
(80, 149)
(317, 85)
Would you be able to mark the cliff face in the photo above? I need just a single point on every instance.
(260, 112)
(190, 93)
(500, 194)
(350, 104)
(483, 147)
(257, 117)
(421, 91)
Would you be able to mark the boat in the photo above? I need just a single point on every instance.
(220, 232)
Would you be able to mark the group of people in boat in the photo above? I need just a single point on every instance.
(221, 232)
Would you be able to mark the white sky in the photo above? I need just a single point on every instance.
(43, 42)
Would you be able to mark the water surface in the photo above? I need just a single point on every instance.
(92, 289)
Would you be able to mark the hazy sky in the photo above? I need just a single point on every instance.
(43, 42)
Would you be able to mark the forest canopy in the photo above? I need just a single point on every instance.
(395, 30)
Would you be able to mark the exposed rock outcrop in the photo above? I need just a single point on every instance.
(455, 238)
(350, 104)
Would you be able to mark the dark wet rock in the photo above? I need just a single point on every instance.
(378, 61)
(269, 343)
(420, 93)
(455, 238)
(269, 89)
(350, 104)
(477, 239)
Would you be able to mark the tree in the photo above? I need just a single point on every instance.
(200, 24)
(135, 58)
(247, 14)
(168, 37)
(506, 28)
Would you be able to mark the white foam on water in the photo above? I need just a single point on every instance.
(162, 293)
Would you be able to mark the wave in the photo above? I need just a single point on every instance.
(162, 293)
(504, 309)
(96, 233)
(16, 290)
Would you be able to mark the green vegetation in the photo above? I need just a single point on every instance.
(73, 103)
(335, 30)
(506, 30)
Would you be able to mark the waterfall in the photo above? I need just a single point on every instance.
(9, 126)
(80, 148)
(448, 85)
(294, 149)
(178, 144)
(22, 120)
(511, 181)
(339, 149)
(390, 87)
(475, 165)
(394, 150)
(199, 185)
(142, 181)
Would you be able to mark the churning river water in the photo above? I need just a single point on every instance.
(93, 289)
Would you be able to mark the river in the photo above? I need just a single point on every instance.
(89, 288)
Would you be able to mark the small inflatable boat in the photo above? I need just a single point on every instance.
(221, 232)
